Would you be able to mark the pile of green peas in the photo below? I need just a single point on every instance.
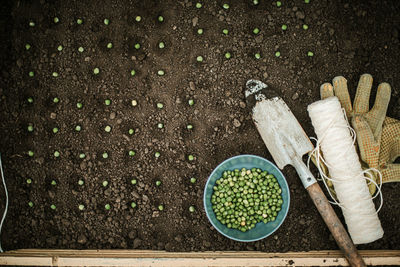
(242, 198)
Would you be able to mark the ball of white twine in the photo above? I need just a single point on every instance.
(349, 180)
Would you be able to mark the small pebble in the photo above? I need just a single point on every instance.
(236, 123)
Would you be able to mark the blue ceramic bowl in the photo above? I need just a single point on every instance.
(261, 230)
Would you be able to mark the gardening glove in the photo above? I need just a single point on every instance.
(377, 135)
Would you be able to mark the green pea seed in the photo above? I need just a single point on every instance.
(277, 54)
(256, 30)
(131, 153)
(157, 154)
(310, 54)
(190, 157)
(133, 181)
(53, 207)
(106, 21)
(192, 209)
(200, 31)
(81, 182)
(56, 20)
(225, 31)
(105, 155)
(161, 45)
(228, 55)
(193, 180)
(81, 207)
(198, 5)
(78, 128)
(284, 27)
(30, 153)
(105, 183)
(107, 206)
(96, 71)
(138, 18)
(161, 207)
(133, 205)
(79, 21)
(56, 154)
(81, 49)
(109, 45)
(160, 105)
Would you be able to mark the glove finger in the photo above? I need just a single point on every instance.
(326, 90)
(391, 173)
(325, 170)
(361, 101)
(369, 149)
(372, 188)
(341, 91)
(377, 114)
(390, 141)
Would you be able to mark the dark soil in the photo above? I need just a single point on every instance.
(347, 38)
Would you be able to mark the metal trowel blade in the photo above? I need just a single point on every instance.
(278, 127)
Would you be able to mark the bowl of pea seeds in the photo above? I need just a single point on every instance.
(246, 198)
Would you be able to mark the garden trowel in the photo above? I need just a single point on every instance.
(287, 142)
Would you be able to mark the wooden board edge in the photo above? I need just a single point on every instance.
(47, 257)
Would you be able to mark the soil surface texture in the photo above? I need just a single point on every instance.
(57, 55)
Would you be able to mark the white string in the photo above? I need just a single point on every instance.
(6, 208)
(336, 141)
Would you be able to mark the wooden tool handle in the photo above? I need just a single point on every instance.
(335, 225)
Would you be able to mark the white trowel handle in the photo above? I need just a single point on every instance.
(305, 175)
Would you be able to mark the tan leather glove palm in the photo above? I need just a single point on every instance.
(378, 136)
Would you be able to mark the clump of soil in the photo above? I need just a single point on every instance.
(345, 38)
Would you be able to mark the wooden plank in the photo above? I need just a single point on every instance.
(44, 257)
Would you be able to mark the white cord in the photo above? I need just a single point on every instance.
(336, 141)
(6, 209)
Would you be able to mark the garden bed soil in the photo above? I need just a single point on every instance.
(347, 38)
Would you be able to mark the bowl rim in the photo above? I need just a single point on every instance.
(208, 181)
